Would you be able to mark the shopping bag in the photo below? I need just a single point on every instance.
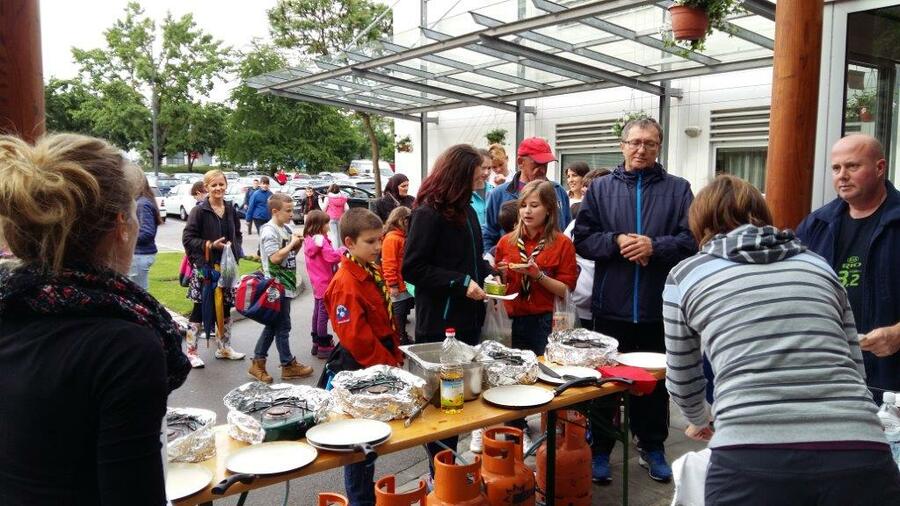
(564, 315)
(497, 325)
(689, 475)
(228, 269)
(259, 297)
(185, 271)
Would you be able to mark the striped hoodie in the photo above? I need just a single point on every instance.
(778, 331)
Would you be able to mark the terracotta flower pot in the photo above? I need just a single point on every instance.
(865, 115)
(688, 23)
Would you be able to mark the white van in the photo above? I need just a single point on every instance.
(364, 168)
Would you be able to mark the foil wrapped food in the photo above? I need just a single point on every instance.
(581, 347)
(379, 392)
(506, 366)
(250, 398)
(190, 435)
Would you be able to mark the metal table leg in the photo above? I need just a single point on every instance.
(550, 493)
(625, 445)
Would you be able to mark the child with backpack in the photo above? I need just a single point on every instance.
(402, 302)
(321, 261)
(278, 247)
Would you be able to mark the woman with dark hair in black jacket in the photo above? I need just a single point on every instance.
(396, 194)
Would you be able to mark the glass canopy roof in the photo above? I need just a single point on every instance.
(489, 57)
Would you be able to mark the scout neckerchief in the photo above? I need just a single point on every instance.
(526, 279)
(372, 270)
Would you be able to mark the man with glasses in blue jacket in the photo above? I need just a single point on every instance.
(634, 225)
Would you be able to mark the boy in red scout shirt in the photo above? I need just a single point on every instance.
(358, 302)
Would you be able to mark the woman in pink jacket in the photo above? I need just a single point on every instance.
(321, 261)
(336, 204)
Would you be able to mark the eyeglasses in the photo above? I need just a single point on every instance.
(635, 144)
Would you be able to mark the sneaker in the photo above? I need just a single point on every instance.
(526, 440)
(656, 465)
(196, 361)
(600, 471)
(476, 443)
(228, 353)
(295, 370)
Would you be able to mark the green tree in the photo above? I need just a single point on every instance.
(167, 76)
(65, 101)
(198, 128)
(278, 132)
(327, 27)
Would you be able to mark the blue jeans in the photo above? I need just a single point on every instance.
(140, 269)
(530, 332)
(359, 483)
(280, 331)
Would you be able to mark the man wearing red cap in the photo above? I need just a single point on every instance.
(532, 158)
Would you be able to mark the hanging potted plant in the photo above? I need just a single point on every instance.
(496, 136)
(620, 123)
(694, 20)
(404, 145)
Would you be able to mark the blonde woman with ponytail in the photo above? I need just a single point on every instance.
(88, 358)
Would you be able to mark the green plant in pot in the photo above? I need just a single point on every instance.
(861, 106)
(629, 116)
(404, 145)
(496, 136)
(693, 21)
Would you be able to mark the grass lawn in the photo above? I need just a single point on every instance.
(164, 281)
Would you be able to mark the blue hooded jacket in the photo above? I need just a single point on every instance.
(881, 295)
(648, 202)
(491, 231)
(258, 208)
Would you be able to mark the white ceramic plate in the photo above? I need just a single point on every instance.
(518, 396)
(572, 370)
(183, 480)
(344, 449)
(348, 433)
(271, 458)
(643, 359)
(510, 296)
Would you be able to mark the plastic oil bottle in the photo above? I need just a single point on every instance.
(452, 392)
(889, 415)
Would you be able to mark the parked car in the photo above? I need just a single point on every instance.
(180, 201)
(236, 195)
(164, 182)
(357, 197)
(188, 177)
(365, 168)
(160, 202)
(231, 175)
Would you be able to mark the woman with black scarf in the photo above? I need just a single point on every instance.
(396, 194)
(88, 357)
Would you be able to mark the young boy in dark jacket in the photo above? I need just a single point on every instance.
(357, 300)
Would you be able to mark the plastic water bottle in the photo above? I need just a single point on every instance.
(889, 415)
(452, 389)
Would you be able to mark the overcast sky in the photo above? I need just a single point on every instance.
(66, 24)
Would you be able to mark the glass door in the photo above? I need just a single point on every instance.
(871, 90)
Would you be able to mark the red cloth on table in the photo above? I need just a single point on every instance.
(644, 382)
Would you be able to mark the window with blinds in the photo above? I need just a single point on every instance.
(739, 139)
(590, 141)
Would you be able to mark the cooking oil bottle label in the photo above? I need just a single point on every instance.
(451, 393)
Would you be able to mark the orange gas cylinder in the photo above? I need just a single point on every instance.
(507, 480)
(386, 494)
(573, 462)
(456, 484)
(329, 499)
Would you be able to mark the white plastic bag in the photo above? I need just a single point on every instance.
(564, 315)
(689, 474)
(497, 325)
(230, 277)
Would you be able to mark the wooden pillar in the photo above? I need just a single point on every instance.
(795, 101)
(21, 80)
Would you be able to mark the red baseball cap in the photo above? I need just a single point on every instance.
(537, 149)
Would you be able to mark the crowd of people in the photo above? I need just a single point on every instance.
(778, 344)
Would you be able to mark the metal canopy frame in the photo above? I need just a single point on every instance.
(406, 83)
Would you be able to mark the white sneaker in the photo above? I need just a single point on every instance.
(526, 440)
(196, 361)
(476, 443)
(228, 353)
